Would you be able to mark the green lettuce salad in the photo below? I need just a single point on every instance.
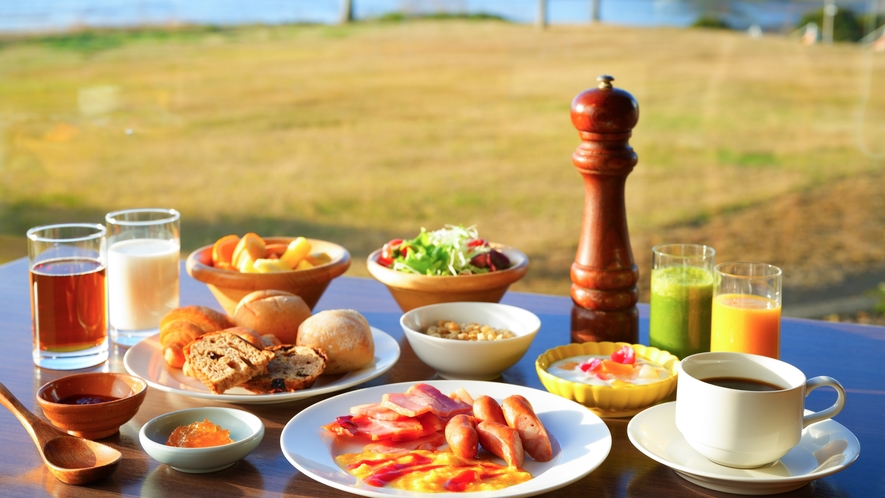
(453, 250)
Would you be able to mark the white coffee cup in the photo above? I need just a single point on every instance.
(743, 428)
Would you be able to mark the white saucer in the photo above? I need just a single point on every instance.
(825, 448)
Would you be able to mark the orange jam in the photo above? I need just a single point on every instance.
(199, 435)
(430, 471)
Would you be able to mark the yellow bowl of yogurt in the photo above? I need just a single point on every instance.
(621, 395)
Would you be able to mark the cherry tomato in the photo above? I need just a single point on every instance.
(387, 252)
(477, 243)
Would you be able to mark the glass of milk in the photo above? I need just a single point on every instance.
(142, 272)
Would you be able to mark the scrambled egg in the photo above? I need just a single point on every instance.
(430, 471)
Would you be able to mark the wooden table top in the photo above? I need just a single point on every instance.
(850, 353)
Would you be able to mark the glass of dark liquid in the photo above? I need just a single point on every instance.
(69, 316)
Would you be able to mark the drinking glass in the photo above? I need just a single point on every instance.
(681, 298)
(67, 265)
(747, 309)
(143, 271)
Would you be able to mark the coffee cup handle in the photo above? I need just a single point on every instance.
(830, 412)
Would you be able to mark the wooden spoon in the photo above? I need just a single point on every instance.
(71, 460)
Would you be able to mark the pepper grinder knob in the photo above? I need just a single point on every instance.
(604, 274)
(605, 81)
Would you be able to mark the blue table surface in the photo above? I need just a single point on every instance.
(850, 353)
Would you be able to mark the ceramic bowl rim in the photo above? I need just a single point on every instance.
(381, 272)
(499, 352)
(196, 266)
(248, 419)
(64, 408)
(603, 393)
(530, 331)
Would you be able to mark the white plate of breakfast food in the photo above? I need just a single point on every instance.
(579, 441)
(146, 360)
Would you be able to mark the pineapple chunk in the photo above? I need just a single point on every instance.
(270, 265)
(297, 250)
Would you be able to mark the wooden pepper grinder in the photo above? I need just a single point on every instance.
(604, 274)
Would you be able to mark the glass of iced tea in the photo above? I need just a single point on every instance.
(746, 314)
(69, 318)
(143, 271)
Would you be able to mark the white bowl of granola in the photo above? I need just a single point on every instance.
(470, 340)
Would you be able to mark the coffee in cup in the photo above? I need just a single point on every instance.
(743, 410)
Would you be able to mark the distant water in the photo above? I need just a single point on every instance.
(56, 15)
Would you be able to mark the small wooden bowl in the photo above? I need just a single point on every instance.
(96, 420)
(229, 286)
(413, 291)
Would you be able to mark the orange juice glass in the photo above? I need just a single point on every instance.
(746, 314)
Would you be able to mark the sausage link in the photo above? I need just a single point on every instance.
(462, 437)
(502, 441)
(519, 414)
(486, 408)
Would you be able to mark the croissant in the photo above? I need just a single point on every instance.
(182, 325)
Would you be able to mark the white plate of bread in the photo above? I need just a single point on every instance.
(202, 353)
(145, 360)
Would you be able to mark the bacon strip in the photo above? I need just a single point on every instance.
(376, 411)
(424, 398)
(361, 425)
(430, 424)
(376, 430)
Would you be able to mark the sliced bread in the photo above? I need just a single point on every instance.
(292, 368)
(221, 360)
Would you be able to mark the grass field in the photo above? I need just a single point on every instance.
(765, 149)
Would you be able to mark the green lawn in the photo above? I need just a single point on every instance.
(367, 132)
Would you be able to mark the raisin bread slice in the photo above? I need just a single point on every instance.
(293, 368)
(221, 360)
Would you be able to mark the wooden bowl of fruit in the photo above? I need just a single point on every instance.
(445, 266)
(235, 266)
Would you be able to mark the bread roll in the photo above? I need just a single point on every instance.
(345, 337)
(182, 325)
(248, 335)
(272, 312)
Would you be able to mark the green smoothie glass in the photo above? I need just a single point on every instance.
(681, 298)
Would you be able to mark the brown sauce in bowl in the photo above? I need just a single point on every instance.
(85, 399)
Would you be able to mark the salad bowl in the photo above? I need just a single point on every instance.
(411, 290)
